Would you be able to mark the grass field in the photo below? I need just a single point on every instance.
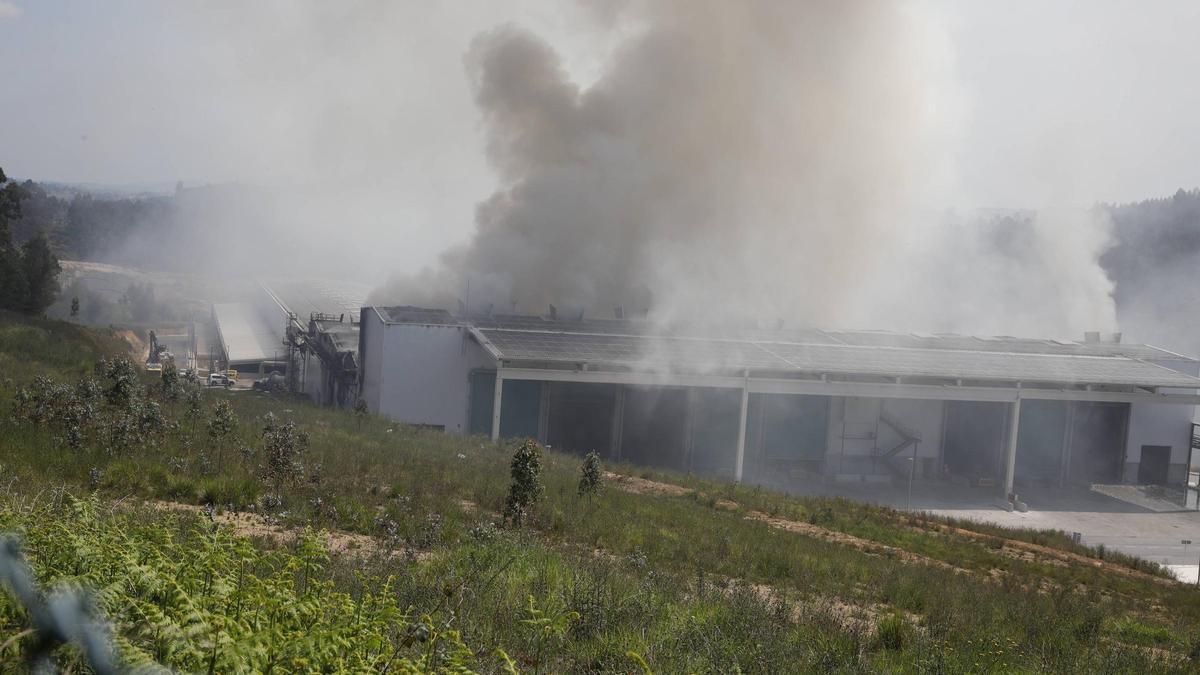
(406, 536)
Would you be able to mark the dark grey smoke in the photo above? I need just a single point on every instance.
(740, 158)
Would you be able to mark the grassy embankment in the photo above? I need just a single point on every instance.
(703, 577)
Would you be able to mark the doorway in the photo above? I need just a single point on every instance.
(974, 440)
(1098, 442)
(1152, 469)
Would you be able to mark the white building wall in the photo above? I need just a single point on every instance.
(1162, 424)
(425, 376)
(1159, 424)
(370, 353)
(419, 374)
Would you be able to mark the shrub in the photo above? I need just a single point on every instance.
(220, 426)
(589, 479)
(194, 398)
(222, 422)
(122, 386)
(170, 381)
(526, 488)
(283, 447)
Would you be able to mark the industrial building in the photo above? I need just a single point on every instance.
(760, 405)
(307, 329)
(326, 359)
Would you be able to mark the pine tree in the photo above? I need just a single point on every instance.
(40, 268)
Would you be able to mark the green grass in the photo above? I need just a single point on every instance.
(683, 583)
(30, 346)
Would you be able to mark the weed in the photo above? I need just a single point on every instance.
(890, 630)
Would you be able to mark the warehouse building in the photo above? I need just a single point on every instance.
(326, 358)
(767, 406)
(306, 325)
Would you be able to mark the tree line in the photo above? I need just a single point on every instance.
(28, 272)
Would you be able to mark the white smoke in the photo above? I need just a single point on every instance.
(1032, 274)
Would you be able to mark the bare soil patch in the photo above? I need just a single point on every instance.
(642, 486)
(864, 545)
(650, 487)
(255, 526)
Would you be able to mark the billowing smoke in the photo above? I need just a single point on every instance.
(748, 160)
(744, 158)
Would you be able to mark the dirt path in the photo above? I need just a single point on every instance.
(648, 487)
(864, 545)
(641, 486)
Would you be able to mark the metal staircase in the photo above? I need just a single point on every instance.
(909, 437)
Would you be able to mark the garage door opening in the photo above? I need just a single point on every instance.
(1097, 452)
(974, 441)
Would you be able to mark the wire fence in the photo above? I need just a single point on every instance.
(65, 616)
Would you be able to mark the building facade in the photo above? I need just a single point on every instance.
(774, 405)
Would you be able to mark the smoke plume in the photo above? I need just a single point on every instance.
(746, 160)
(741, 158)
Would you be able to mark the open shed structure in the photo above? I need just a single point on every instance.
(768, 405)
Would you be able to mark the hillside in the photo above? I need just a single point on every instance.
(239, 531)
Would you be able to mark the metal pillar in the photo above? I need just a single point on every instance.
(689, 430)
(741, 444)
(1010, 462)
(496, 400)
(618, 423)
(544, 413)
(1068, 434)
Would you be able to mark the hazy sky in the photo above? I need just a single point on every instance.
(1045, 102)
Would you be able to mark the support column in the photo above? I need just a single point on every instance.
(1065, 458)
(618, 423)
(544, 412)
(1010, 462)
(741, 443)
(496, 400)
(689, 430)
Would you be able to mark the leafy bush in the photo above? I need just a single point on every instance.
(122, 380)
(526, 487)
(169, 383)
(589, 479)
(283, 447)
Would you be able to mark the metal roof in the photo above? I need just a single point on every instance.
(308, 296)
(639, 344)
(675, 353)
(700, 354)
(342, 335)
(247, 335)
(421, 315)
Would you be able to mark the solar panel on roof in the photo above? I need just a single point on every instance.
(694, 354)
